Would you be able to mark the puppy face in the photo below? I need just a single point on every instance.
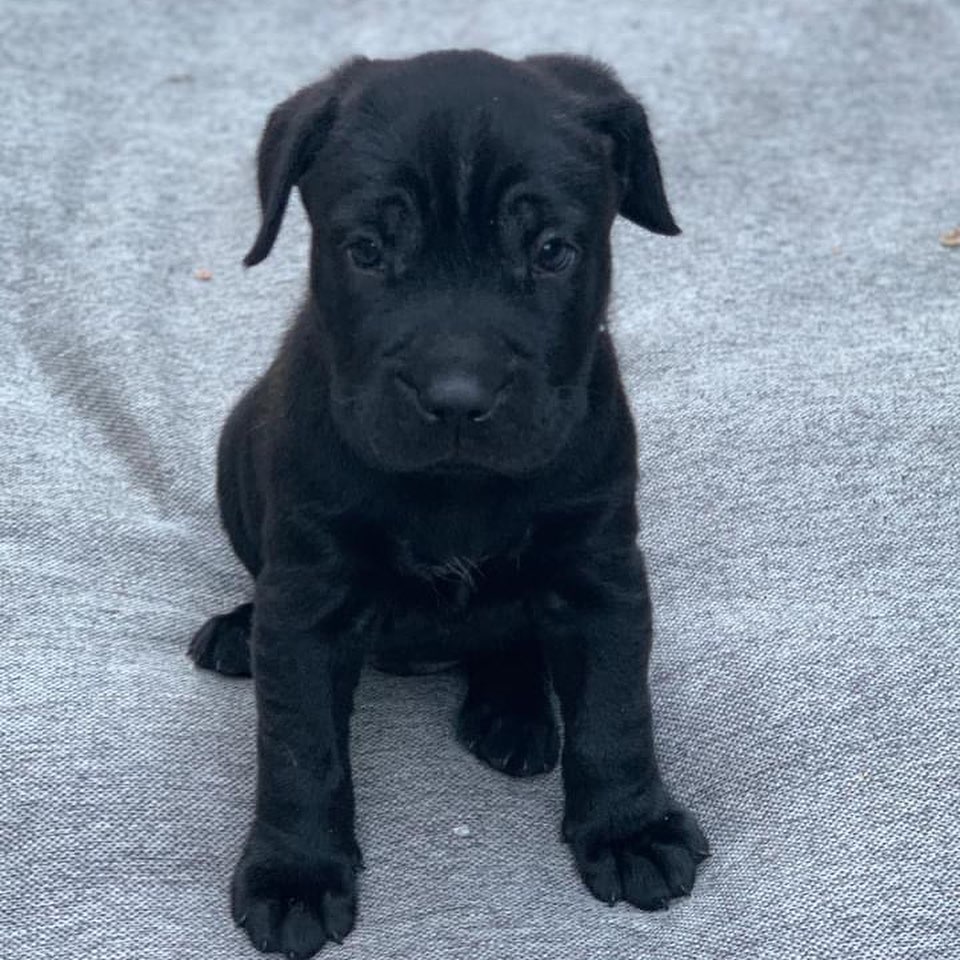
(461, 207)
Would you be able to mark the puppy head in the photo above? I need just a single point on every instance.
(461, 207)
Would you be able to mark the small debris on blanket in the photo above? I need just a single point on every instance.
(461, 831)
(202, 274)
(951, 238)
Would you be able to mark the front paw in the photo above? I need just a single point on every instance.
(647, 861)
(291, 901)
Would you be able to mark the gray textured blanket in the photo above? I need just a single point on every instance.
(793, 365)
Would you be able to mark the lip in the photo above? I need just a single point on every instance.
(455, 465)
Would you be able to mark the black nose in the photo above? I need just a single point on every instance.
(456, 395)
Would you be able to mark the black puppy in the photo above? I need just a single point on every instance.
(440, 464)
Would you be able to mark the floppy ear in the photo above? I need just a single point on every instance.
(294, 134)
(606, 107)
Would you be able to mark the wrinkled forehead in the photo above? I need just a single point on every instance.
(469, 144)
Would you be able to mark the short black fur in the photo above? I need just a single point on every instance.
(440, 465)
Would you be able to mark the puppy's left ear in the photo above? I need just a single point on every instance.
(605, 106)
(295, 132)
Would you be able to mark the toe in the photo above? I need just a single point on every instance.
(684, 830)
(601, 875)
(519, 745)
(339, 911)
(199, 649)
(677, 866)
(262, 921)
(303, 932)
(221, 644)
(642, 882)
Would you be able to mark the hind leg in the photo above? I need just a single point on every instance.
(507, 719)
(223, 643)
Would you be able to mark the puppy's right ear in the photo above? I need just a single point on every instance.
(291, 140)
(294, 133)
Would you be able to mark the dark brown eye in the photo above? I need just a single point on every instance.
(365, 254)
(554, 256)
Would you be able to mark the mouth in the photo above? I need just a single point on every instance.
(455, 461)
(463, 455)
(449, 460)
(455, 466)
(394, 440)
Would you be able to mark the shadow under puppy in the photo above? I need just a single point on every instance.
(440, 464)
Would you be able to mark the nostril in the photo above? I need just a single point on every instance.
(498, 395)
(411, 391)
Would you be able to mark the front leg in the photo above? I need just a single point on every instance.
(294, 887)
(630, 839)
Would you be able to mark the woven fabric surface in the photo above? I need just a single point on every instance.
(793, 362)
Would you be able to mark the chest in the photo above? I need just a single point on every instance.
(450, 590)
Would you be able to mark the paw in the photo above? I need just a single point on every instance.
(223, 643)
(294, 906)
(515, 742)
(646, 865)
